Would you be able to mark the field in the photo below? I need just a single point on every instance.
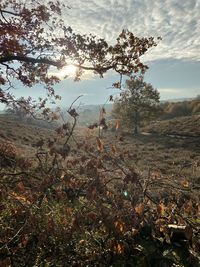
(183, 126)
(163, 148)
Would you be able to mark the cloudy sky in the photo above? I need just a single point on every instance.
(174, 63)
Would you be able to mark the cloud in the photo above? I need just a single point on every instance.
(177, 93)
(169, 91)
(175, 21)
(69, 72)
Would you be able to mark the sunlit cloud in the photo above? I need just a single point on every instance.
(69, 72)
(175, 21)
(169, 91)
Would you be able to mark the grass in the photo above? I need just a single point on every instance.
(23, 135)
(172, 158)
(165, 154)
(188, 126)
(168, 155)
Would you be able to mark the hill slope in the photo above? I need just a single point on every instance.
(188, 126)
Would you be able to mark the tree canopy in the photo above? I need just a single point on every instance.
(34, 38)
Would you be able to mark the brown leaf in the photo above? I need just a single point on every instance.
(161, 209)
(20, 187)
(121, 138)
(100, 146)
(103, 111)
(119, 225)
(117, 125)
(110, 98)
(113, 149)
(185, 183)
(139, 208)
(118, 248)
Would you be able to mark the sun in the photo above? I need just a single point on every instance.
(68, 71)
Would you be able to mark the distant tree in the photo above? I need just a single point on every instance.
(196, 107)
(180, 109)
(138, 102)
(20, 111)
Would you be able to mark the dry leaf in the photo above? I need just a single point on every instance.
(139, 208)
(99, 144)
(185, 183)
(119, 225)
(161, 209)
(113, 149)
(20, 197)
(118, 248)
(117, 125)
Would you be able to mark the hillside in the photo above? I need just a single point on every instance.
(105, 175)
(23, 135)
(172, 152)
(186, 126)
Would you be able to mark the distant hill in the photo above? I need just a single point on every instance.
(174, 100)
(88, 114)
(180, 108)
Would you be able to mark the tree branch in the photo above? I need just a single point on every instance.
(96, 69)
(31, 60)
(50, 62)
(9, 12)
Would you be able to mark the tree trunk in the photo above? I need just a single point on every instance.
(136, 123)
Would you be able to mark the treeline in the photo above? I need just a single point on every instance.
(180, 109)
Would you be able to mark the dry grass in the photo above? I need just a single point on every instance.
(24, 136)
(168, 155)
(183, 126)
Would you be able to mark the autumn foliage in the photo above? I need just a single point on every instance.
(81, 203)
(93, 207)
(35, 38)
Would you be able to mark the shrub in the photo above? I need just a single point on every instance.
(94, 208)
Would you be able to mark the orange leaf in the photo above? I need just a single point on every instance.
(117, 125)
(161, 209)
(99, 144)
(139, 208)
(82, 242)
(25, 240)
(62, 176)
(185, 183)
(108, 194)
(118, 248)
(20, 187)
(119, 225)
(69, 210)
(20, 197)
(113, 149)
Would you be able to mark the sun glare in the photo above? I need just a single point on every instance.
(69, 70)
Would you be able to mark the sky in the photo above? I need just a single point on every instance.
(174, 65)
